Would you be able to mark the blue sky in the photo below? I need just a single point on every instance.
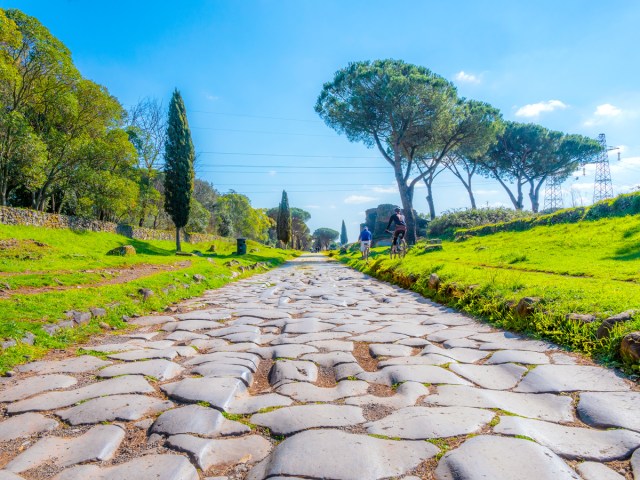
(250, 73)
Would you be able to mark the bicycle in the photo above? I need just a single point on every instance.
(400, 248)
(366, 251)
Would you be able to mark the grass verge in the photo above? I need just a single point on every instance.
(32, 252)
(587, 268)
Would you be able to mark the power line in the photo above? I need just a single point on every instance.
(268, 117)
(293, 166)
(263, 132)
(284, 155)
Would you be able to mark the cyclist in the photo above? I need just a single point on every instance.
(365, 241)
(400, 223)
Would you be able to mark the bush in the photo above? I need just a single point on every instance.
(620, 206)
(446, 224)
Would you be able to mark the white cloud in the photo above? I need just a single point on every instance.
(607, 110)
(533, 110)
(391, 189)
(583, 187)
(356, 199)
(464, 77)
(312, 207)
(628, 164)
(602, 113)
(211, 98)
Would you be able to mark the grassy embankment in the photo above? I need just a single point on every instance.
(589, 267)
(49, 272)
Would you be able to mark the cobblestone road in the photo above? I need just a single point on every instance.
(314, 371)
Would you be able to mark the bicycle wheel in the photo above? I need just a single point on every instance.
(403, 248)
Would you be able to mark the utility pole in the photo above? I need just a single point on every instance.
(602, 187)
(553, 194)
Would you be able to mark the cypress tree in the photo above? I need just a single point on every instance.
(283, 222)
(343, 234)
(179, 155)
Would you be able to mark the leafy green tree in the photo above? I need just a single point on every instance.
(179, 155)
(300, 233)
(199, 217)
(147, 131)
(36, 73)
(283, 223)
(324, 236)
(205, 193)
(530, 154)
(343, 234)
(236, 217)
(473, 127)
(402, 109)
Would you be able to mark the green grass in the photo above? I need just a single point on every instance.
(587, 267)
(30, 257)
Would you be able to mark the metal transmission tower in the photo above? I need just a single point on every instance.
(603, 188)
(553, 194)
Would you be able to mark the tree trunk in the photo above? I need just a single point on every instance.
(517, 202)
(406, 197)
(471, 197)
(178, 247)
(432, 208)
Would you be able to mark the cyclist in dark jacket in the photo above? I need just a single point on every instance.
(401, 225)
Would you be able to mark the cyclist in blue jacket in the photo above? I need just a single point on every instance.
(365, 240)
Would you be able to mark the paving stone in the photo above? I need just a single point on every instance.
(307, 392)
(306, 325)
(244, 337)
(4, 475)
(114, 407)
(597, 471)
(485, 457)
(376, 337)
(407, 394)
(151, 320)
(149, 467)
(218, 392)
(333, 345)
(292, 371)
(206, 345)
(461, 343)
(82, 364)
(197, 420)
(288, 420)
(562, 359)
(412, 330)
(413, 373)
(385, 350)
(635, 464)
(214, 369)
(233, 329)
(465, 355)
(421, 423)
(331, 359)
(413, 342)
(428, 359)
(263, 313)
(204, 315)
(142, 335)
(450, 334)
(572, 442)
(53, 400)
(543, 406)
(347, 371)
(159, 368)
(112, 347)
(25, 425)
(518, 356)
(245, 359)
(339, 455)
(610, 409)
(570, 378)
(307, 338)
(181, 335)
(97, 444)
(249, 404)
(209, 453)
(494, 377)
(34, 385)
(283, 351)
(190, 325)
(151, 353)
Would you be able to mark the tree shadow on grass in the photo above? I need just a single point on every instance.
(144, 248)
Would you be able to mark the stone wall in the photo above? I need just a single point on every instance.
(23, 216)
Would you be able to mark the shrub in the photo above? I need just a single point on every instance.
(446, 224)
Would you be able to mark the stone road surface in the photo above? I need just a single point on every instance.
(314, 371)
